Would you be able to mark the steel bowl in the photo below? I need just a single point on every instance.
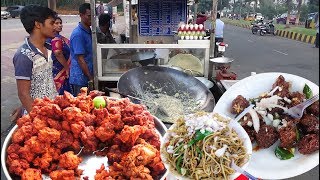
(206, 82)
(221, 62)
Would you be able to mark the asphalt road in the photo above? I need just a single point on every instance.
(255, 53)
(252, 53)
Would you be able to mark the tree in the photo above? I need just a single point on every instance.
(299, 11)
(222, 4)
(268, 9)
(304, 12)
(289, 4)
(313, 6)
(255, 6)
(289, 12)
(52, 4)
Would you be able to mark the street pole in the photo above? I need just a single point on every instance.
(52, 4)
(213, 27)
(195, 11)
(94, 42)
(240, 8)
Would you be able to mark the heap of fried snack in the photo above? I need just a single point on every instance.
(50, 137)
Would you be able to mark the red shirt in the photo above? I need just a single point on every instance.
(201, 19)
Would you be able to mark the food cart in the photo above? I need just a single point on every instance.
(151, 29)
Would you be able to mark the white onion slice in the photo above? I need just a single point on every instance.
(274, 90)
(255, 120)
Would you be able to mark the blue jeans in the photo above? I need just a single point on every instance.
(76, 89)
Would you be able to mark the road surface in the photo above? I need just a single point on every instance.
(255, 53)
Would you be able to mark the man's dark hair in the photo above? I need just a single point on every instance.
(104, 19)
(57, 17)
(83, 8)
(32, 13)
(218, 15)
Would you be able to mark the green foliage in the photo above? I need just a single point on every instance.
(205, 5)
(222, 4)
(313, 6)
(268, 9)
(243, 7)
(304, 13)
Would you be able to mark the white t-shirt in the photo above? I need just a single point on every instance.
(219, 28)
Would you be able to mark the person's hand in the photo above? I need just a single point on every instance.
(90, 78)
(16, 114)
(90, 85)
(67, 69)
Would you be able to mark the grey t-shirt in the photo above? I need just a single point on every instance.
(30, 64)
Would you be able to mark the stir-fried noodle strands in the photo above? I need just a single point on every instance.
(175, 105)
(204, 150)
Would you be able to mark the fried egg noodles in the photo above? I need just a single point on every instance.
(202, 146)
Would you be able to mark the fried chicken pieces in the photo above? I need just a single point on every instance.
(49, 138)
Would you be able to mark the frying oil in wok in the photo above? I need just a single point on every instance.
(176, 105)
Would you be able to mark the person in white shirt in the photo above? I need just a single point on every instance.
(219, 29)
(218, 33)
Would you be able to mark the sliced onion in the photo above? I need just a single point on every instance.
(267, 120)
(255, 120)
(275, 105)
(274, 90)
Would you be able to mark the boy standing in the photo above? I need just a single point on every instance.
(32, 61)
(81, 69)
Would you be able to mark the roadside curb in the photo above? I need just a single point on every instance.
(286, 34)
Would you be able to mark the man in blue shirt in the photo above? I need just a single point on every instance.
(81, 69)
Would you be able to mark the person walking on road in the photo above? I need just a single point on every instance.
(61, 59)
(81, 69)
(32, 61)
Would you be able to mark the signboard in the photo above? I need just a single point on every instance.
(161, 17)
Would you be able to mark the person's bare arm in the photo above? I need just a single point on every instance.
(84, 67)
(59, 55)
(16, 114)
(24, 94)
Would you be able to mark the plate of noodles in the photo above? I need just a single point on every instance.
(202, 145)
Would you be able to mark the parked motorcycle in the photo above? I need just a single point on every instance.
(267, 28)
(255, 26)
(263, 28)
(220, 48)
